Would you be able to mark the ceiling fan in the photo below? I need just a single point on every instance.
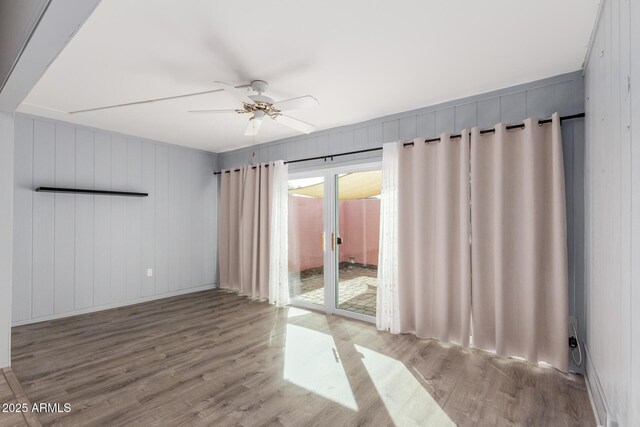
(261, 106)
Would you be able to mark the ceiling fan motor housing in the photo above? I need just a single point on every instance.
(261, 99)
(259, 86)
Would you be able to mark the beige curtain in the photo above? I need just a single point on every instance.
(519, 249)
(434, 281)
(243, 231)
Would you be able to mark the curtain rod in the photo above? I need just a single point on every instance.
(368, 150)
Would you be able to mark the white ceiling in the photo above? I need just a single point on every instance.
(360, 58)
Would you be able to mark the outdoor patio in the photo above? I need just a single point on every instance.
(357, 289)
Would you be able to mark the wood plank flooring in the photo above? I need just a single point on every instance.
(7, 397)
(214, 358)
(11, 394)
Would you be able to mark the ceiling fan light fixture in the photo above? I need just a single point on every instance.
(255, 122)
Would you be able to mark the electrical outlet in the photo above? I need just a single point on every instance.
(573, 323)
(149, 272)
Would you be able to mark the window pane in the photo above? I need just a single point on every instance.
(306, 253)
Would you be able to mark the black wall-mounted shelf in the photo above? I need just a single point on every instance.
(94, 192)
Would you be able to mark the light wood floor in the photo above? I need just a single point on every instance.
(214, 358)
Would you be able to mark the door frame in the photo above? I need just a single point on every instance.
(329, 213)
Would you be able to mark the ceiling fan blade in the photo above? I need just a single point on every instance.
(253, 127)
(235, 92)
(148, 101)
(296, 124)
(306, 101)
(212, 111)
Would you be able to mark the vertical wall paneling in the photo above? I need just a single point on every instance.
(537, 102)
(445, 120)
(184, 236)
(7, 180)
(335, 144)
(344, 140)
(567, 143)
(148, 218)
(632, 121)
(275, 152)
(426, 125)
(209, 225)
(102, 221)
(407, 128)
(23, 220)
(195, 218)
(360, 136)
(64, 220)
(578, 226)
(375, 138)
(80, 253)
(84, 216)
(612, 320)
(390, 130)
(162, 219)
(43, 213)
(134, 220)
(488, 112)
(513, 106)
(569, 95)
(118, 220)
(174, 215)
(465, 116)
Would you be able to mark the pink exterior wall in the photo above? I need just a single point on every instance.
(305, 231)
(359, 227)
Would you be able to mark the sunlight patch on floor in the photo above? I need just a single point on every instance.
(406, 400)
(311, 361)
(295, 312)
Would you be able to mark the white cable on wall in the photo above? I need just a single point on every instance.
(575, 333)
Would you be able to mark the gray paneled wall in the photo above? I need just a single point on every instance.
(6, 229)
(612, 78)
(78, 253)
(563, 94)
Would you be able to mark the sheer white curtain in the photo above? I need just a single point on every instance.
(388, 312)
(279, 245)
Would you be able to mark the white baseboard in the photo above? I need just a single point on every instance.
(115, 305)
(596, 394)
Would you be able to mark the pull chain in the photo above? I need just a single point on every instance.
(253, 142)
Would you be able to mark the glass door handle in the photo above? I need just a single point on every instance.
(333, 242)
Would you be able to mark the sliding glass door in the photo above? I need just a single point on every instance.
(357, 219)
(334, 221)
(307, 240)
